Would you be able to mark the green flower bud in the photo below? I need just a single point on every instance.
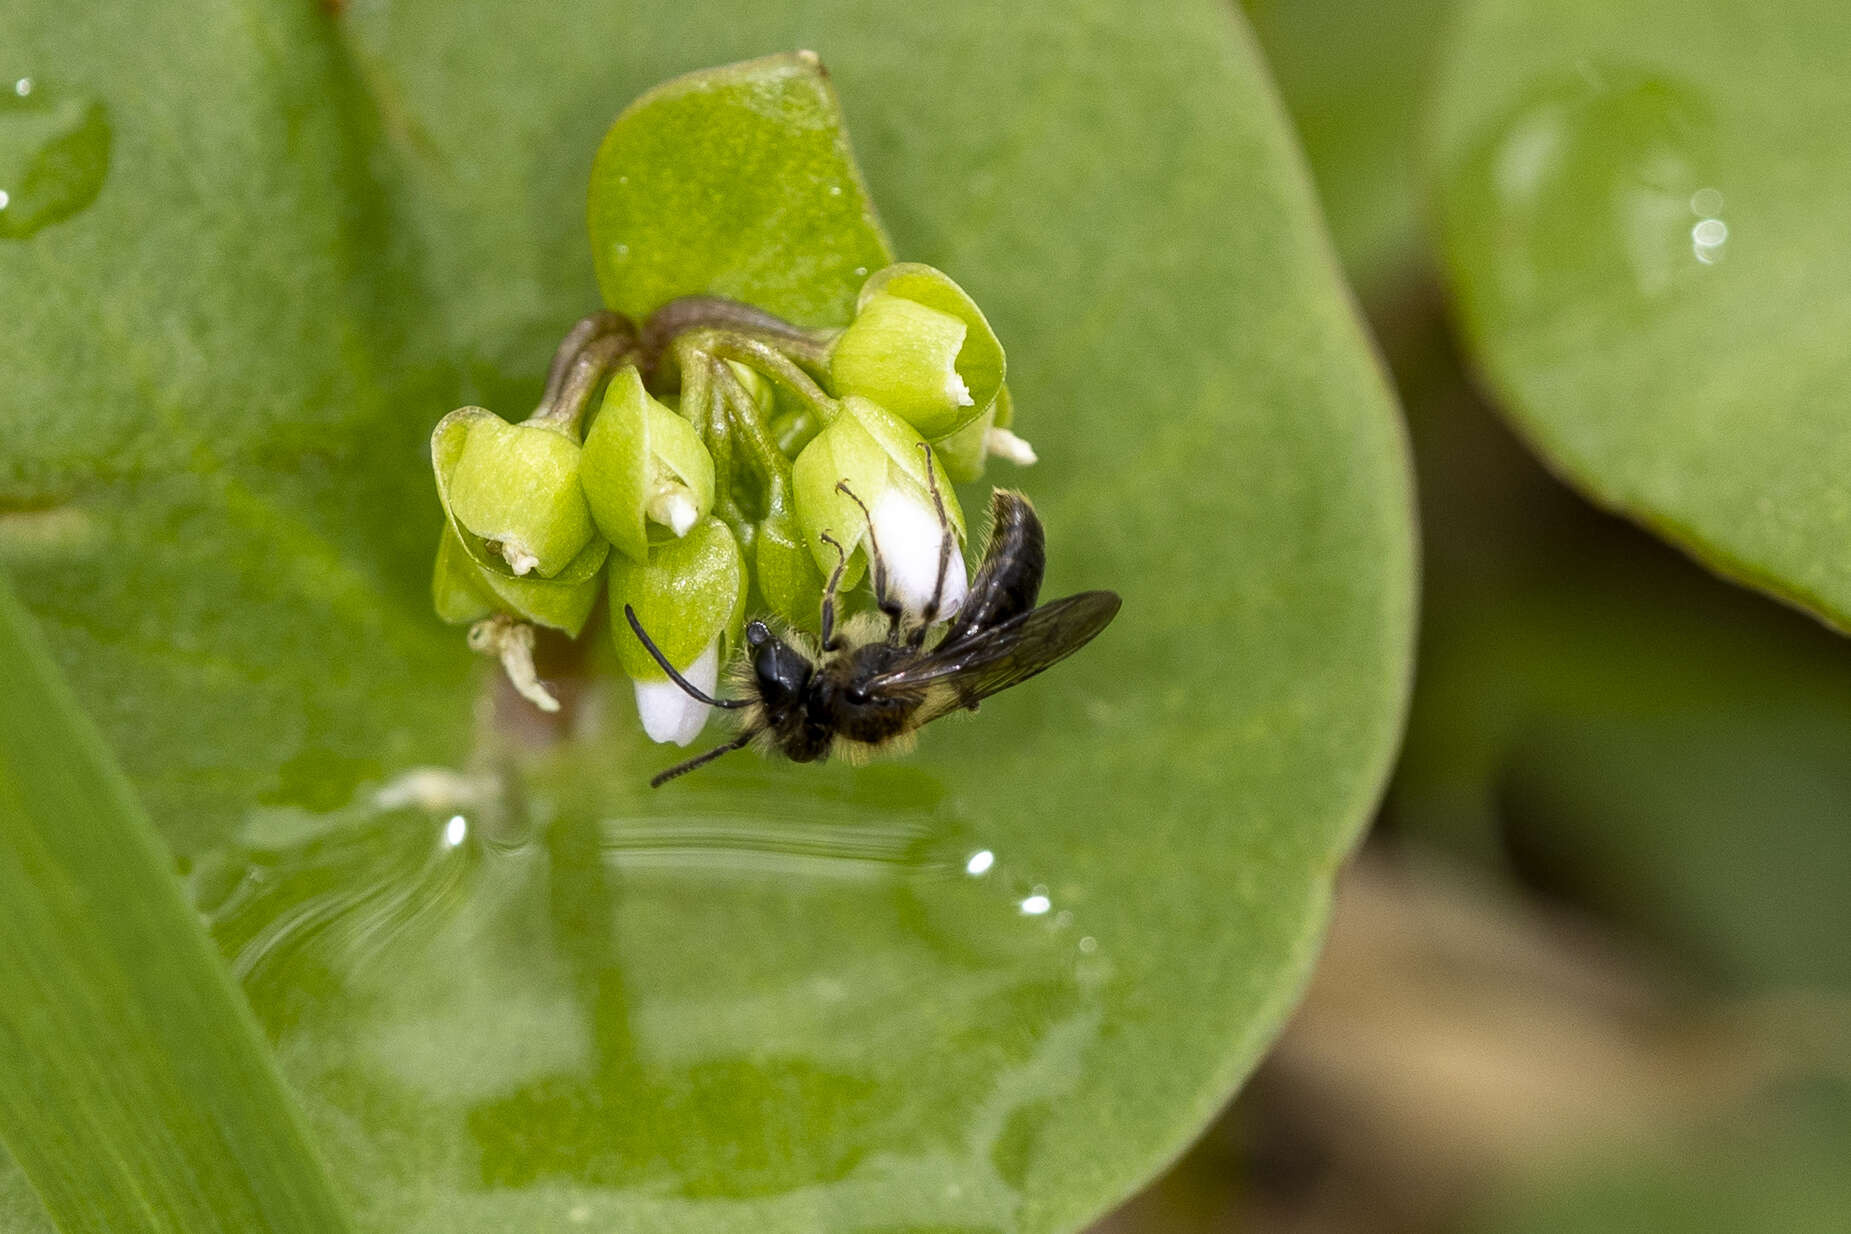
(512, 493)
(878, 456)
(457, 592)
(787, 574)
(690, 597)
(645, 473)
(464, 591)
(962, 453)
(689, 592)
(920, 347)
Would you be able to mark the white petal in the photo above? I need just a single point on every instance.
(674, 508)
(667, 712)
(511, 642)
(1003, 444)
(910, 536)
(516, 555)
(956, 390)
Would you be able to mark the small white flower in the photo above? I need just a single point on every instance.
(910, 536)
(516, 555)
(675, 509)
(1003, 444)
(667, 712)
(956, 390)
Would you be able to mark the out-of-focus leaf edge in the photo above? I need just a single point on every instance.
(1533, 431)
(136, 1092)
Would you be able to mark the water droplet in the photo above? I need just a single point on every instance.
(861, 271)
(980, 862)
(835, 190)
(1035, 905)
(1707, 239)
(54, 155)
(455, 831)
(1582, 196)
(623, 250)
(1089, 944)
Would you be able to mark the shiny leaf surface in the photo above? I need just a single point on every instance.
(993, 986)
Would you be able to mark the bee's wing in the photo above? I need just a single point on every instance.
(998, 657)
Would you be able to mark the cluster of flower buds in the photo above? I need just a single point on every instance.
(733, 459)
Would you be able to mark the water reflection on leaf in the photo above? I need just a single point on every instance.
(710, 1001)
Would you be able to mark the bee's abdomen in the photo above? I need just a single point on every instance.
(1008, 581)
(877, 722)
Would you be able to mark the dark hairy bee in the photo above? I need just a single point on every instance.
(865, 694)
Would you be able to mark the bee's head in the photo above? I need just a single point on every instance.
(781, 671)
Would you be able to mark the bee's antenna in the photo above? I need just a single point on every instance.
(700, 760)
(687, 687)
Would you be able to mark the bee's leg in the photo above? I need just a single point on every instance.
(945, 540)
(830, 641)
(701, 760)
(883, 599)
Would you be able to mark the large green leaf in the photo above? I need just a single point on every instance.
(138, 1094)
(210, 474)
(540, 996)
(692, 192)
(1639, 209)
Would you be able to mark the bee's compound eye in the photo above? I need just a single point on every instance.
(857, 695)
(757, 634)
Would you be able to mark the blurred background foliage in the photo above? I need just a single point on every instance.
(1591, 973)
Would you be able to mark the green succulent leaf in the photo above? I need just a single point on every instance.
(1638, 209)
(692, 187)
(993, 985)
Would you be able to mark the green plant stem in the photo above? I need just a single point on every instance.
(690, 313)
(588, 369)
(700, 405)
(587, 329)
(755, 353)
(743, 410)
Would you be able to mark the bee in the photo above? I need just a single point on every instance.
(865, 694)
